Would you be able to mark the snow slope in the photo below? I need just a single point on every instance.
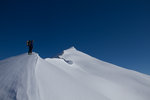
(73, 75)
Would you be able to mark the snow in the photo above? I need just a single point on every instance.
(73, 75)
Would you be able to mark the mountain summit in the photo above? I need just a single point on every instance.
(73, 75)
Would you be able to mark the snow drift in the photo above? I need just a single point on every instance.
(72, 75)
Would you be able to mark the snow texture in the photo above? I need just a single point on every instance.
(73, 75)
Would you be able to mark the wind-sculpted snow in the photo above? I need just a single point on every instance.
(17, 78)
(73, 75)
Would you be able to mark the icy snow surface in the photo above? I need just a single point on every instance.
(73, 75)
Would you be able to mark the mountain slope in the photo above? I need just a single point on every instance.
(73, 75)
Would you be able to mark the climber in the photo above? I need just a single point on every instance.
(30, 45)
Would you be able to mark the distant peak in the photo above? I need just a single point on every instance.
(71, 48)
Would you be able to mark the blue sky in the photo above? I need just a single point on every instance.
(115, 31)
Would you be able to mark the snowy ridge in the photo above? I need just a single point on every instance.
(74, 75)
(17, 78)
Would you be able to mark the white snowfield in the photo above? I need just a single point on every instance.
(73, 75)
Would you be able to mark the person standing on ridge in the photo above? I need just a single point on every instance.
(30, 45)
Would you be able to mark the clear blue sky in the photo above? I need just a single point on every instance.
(116, 31)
